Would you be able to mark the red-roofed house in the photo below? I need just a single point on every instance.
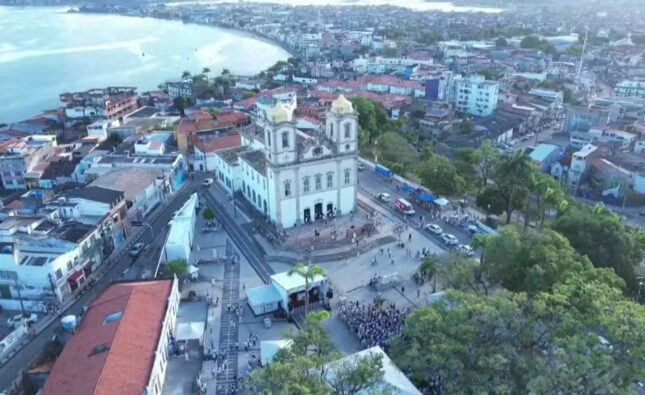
(121, 345)
(189, 129)
(204, 158)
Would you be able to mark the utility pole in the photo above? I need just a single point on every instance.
(22, 306)
(584, 47)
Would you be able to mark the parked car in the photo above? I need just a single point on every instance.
(136, 249)
(21, 319)
(433, 228)
(361, 166)
(465, 249)
(207, 182)
(449, 240)
(384, 197)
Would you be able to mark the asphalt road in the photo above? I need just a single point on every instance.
(155, 237)
(373, 184)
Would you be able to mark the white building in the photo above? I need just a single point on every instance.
(476, 96)
(630, 88)
(179, 243)
(41, 261)
(143, 189)
(556, 97)
(101, 128)
(580, 164)
(297, 177)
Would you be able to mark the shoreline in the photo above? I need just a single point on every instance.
(240, 32)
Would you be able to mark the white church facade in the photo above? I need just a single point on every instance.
(295, 177)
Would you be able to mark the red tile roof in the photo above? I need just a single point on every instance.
(220, 143)
(232, 118)
(124, 368)
(186, 126)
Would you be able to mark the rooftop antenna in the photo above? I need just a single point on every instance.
(582, 54)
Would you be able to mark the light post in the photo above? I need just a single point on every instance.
(641, 282)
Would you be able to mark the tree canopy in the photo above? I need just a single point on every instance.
(393, 148)
(311, 366)
(372, 119)
(605, 238)
(439, 175)
(531, 261)
(582, 337)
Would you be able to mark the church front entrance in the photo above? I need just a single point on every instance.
(318, 209)
(307, 215)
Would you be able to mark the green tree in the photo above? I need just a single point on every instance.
(581, 338)
(531, 261)
(181, 103)
(491, 200)
(482, 159)
(461, 273)
(394, 149)
(206, 70)
(308, 273)
(512, 176)
(185, 75)
(440, 176)
(605, 238)
(372, 119)
(208, 214)
(176, 267)
(501, 42)
(312, 366)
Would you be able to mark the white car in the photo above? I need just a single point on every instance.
(361, 166)
(20, 319)
(384, 197)
(136, 249)
(465, 249)
(207, 182)
(449, 239)
(436, 229)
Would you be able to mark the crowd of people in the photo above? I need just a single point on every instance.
(374, 324)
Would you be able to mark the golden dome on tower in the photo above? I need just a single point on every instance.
(342, 106)
(279, 114)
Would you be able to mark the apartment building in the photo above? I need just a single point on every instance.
(475, 95)
(107, 103)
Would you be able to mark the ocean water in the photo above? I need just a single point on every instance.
(46, 51)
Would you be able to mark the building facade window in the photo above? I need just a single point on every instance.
(347, 176)
(269, 139)
(318, 182)
(331, 130)
(348, 130)
(285, 139)
(330, 180)
(287, 188)
(305, 184)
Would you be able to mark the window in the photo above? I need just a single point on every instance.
(287, 188)
(347, 176)
(285, 139)
(305, 184)
(318, 182)
(348, 130)
(59, 274)
(269, 139)
(331, 130)
(114, 317)
(69, 265)
(330, 180)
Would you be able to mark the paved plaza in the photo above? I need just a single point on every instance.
(233, 332)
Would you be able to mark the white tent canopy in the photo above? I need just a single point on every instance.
(441, 202)
(393, 380)
(269, 349)
(190, 331)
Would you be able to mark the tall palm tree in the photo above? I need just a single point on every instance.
(481, 241)
(309, 273)
(185, 75)
(512, 179)
(206, 70)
